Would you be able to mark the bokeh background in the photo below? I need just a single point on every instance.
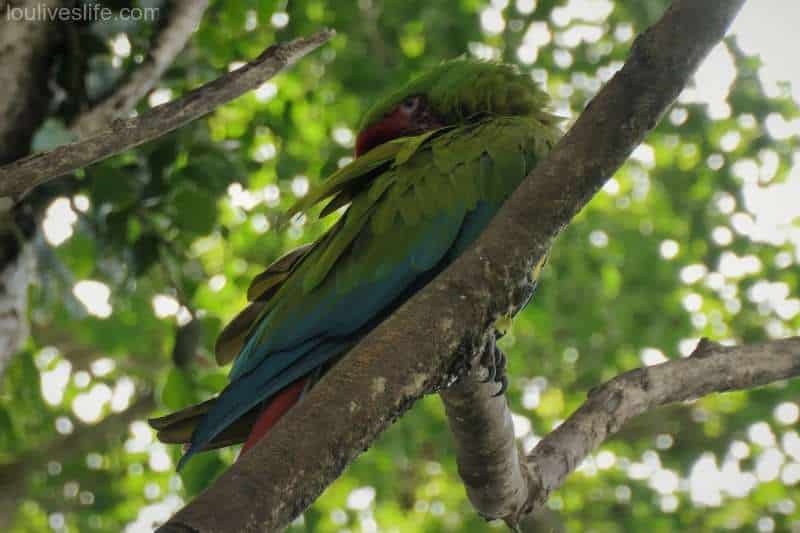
(143, 257)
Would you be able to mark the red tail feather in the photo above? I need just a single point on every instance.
(280, 403)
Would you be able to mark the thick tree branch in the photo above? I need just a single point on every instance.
(711, 368)
(183, 20)
(24, 174)
(26, 47)
(490, 462)
(411, 352)
(661, 62)
(28, 51)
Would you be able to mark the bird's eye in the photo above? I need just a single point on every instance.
(410, 104)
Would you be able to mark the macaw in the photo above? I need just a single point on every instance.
(433, 163)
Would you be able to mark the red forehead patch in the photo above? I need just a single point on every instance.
(392, 126)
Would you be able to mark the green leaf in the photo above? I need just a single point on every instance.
(145, 252)
(116, 186)
(200, 471)
(178, 391)
(195, 210)
(79, 254)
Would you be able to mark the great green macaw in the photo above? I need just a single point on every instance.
(434, 162)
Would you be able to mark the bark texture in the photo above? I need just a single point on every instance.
(26, 54)
(22, 175)
(490, 462)
(451, 317)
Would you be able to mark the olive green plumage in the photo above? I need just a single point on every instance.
(413, 204)
(446, 169)
(460, 88)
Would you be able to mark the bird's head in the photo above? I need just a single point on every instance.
(454, 92)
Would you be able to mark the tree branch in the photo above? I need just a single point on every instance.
(711, 368)
(491, 473)
(183, 20)
(490, 462)
(24, 174)
(412, 351)
(28, 49)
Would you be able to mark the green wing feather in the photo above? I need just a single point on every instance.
(449, 168)
(407, 179)
(450, 171)
(398, 185)
(262, 288)
(177, 427)
(342, 185)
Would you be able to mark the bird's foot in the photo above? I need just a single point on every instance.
(494, 361)
(459, 369)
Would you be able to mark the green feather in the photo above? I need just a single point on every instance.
(425, 196)
(463, 87)
(409, 209)
(339, 241)
(497, 128)
(352, 174)
(412, 144)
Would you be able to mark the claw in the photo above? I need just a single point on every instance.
(503, 387)
(489, 360)
(459, 369)
(500, 360)
(491, 373)
(494, 360)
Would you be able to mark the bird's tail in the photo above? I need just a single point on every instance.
(177, 427)
(273, 411)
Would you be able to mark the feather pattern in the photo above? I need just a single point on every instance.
(412, 205)
(393, 234)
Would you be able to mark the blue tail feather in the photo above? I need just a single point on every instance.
(252, 389)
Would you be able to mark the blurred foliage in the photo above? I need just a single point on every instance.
(146, 255)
